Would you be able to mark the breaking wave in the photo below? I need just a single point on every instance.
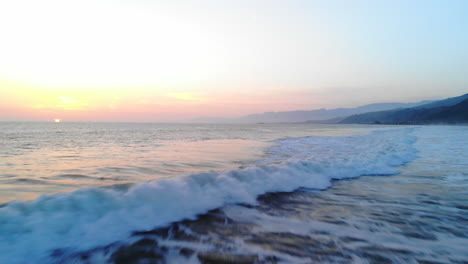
(89, 218)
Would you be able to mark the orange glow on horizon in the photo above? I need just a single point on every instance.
(138, 104)
(27, 101)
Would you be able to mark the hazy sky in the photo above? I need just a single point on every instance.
(149, 60)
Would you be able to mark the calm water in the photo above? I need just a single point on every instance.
(250, 194)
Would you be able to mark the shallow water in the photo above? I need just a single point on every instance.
(417, 216)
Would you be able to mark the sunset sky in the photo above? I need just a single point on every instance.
(150, 60)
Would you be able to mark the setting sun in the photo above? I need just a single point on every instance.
(57, 120)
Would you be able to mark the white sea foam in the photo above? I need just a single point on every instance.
(84, 219)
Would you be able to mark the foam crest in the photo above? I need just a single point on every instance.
(88, 218)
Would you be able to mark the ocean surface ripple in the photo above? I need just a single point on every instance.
(285, 208)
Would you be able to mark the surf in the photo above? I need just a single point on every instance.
(89, 218)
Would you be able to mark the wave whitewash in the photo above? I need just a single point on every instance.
(56, 228)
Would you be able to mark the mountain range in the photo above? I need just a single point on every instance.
(319, 115)
(448, 111)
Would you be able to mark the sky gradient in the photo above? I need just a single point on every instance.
(144, 60)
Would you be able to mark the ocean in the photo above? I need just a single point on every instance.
(231, 193)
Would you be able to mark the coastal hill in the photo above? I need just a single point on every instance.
(322, 114)
(319, 115)
(448, 111)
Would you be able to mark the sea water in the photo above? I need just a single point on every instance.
(189, 193)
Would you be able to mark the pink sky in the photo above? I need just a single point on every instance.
(173, 60)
